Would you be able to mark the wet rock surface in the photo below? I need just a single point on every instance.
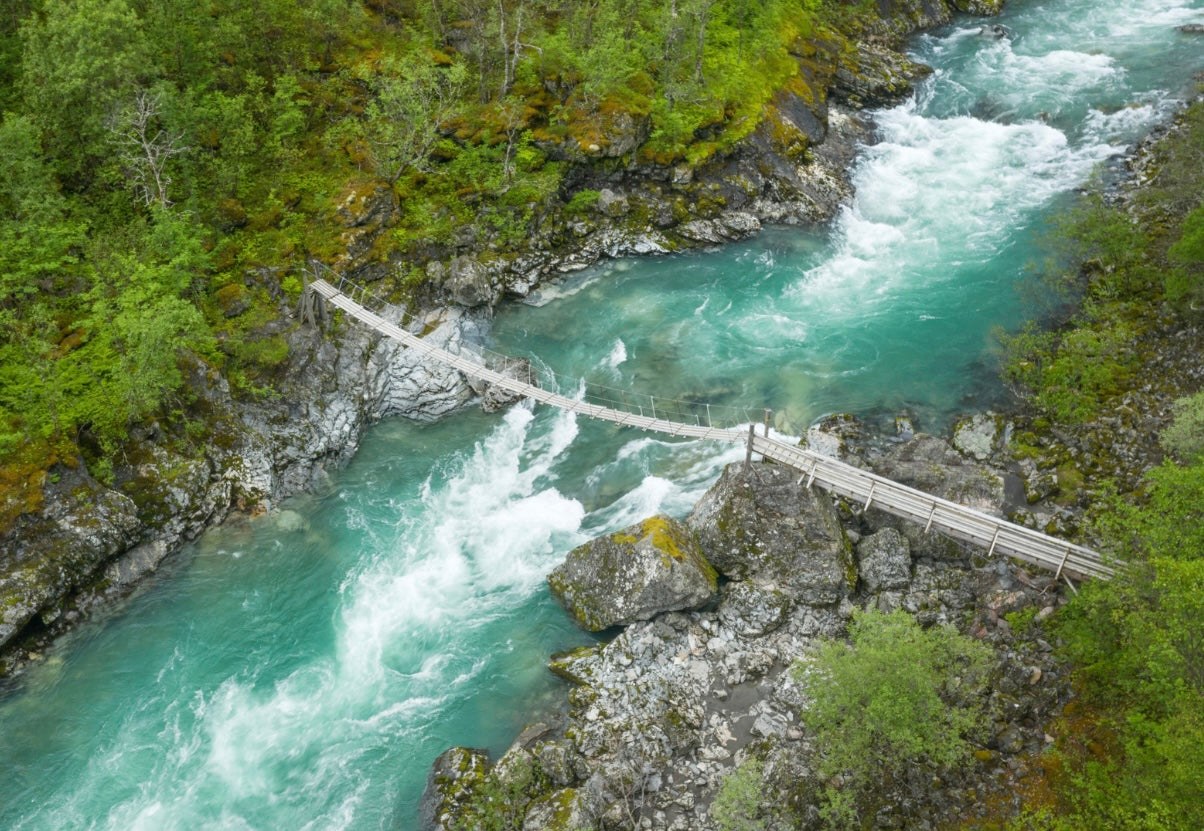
(659, 715)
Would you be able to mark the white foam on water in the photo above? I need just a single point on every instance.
(489, 529)
(1129, 21)
(637, 447)
(638, 504)
(618, 354)
(1127, 122)
(936, 190)
(475, 546)
(409, 642)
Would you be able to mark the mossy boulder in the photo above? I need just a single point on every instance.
(763, 525)
(451, 784)
(876, 76)
(576, 665)
(233, 300)
(635, 574)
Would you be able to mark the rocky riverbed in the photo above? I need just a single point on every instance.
(661, 713)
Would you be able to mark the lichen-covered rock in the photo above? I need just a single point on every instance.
(931, 465)
(876, 77)
(978, 436)
(834, 435)
(575, 664)
(611, 204)
(884, 561)
(762, 525)
(49, 554)
(728, 227)
(752, 608)
(563, 810)
(980, 7)
(450, 785)
(649, 568)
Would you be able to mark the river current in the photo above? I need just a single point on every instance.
(303, 670)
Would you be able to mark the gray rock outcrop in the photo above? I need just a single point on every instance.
(932, 465)
(761, 526)
(90, 541)
(634, 574)
(661, 714)
(884, 561)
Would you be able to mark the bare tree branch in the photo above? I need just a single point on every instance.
(145, 147)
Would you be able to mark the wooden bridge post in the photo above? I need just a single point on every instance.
(752, 434)
(768, 413)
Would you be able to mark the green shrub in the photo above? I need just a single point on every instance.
(1185, 436)
(582, 201)
(737, 806)
(897, 698)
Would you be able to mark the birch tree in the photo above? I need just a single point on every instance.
(412, 98)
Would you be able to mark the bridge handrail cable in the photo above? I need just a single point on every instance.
(950, 518)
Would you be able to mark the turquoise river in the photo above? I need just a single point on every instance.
(302, 670)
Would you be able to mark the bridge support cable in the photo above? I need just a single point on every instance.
(958, 522)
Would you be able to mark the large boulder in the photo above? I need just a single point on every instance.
(979, 436)
(933, 466)
(762, 525)
(641, 571)
(470, 283)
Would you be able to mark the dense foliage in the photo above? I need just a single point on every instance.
(1131, 753)
(737, 805)
(898, 700)
(167, 168)
(1114, 267)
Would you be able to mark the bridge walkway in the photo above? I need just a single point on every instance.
(959, 522)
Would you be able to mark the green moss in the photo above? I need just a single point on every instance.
(663, 537)
(565, 664)
(1070, 483)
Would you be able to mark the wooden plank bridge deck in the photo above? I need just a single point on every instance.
(996, 535)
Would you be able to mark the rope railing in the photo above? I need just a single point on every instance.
(686, 419)
(538, 374)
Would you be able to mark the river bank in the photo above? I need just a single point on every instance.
(663, 717)
(84, 542)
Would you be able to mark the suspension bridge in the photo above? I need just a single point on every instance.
(697, 421)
